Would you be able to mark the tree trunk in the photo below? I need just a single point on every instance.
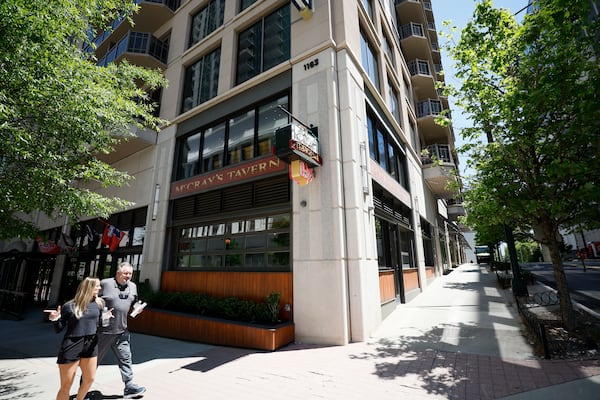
(546, 232)
(566, 307)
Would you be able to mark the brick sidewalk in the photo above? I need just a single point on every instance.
(459, 339)
(377, 370)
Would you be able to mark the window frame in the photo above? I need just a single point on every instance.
(261, 139)
(195, 92)
(257, 58)
(224, 255)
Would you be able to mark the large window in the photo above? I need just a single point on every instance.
(387, 47)
(242, 136)
(206, 21)
(264, 45)
(367, 4)
(386, 152)
(369, 59)
(213, 146)
(201, 80)
(259, 242)
(393, 101)
(245, 4)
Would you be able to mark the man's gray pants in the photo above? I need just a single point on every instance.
(120, 345)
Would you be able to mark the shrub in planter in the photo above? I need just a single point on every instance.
(528, 276)
(501, 266)
(231, 308)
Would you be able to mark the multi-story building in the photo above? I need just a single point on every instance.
(361, 221)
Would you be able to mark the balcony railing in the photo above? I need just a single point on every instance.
(411, 29)
(428, 107)
(437, 152)
(172, 4)
(455, 201)
(98, 40)
(419, 67)
(139, 43)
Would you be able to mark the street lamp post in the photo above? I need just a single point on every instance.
(519, 288)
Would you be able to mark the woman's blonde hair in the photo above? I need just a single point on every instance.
(85, 295)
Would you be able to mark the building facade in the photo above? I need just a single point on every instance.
(355, 216)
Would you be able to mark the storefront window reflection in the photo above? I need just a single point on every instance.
(257, 243)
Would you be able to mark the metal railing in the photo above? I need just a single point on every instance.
(419, 67)
(412, 29)
(428, 107)
(437, 152)
(99, 39)
(139, 43)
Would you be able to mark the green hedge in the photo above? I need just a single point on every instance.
(231, 308)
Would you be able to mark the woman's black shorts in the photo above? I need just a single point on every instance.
(75, 348)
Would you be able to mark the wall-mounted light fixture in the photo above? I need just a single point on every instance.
(363, 167)
(304, 7)
(156, 201)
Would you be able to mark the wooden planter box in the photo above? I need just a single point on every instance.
(216, 331)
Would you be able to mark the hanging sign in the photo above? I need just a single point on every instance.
(300, 172)
(295, 141)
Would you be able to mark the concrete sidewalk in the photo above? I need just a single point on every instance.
(460, 339)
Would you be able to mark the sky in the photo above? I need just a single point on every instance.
(459, 12)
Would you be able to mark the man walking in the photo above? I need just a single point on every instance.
(120, 294)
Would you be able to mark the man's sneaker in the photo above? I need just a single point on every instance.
(133, 391)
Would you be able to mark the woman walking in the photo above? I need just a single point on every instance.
(79, 348)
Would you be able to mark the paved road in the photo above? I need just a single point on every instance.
(584, 286)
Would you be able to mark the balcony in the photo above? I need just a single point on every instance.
(142, 49)
(419, 67)
(410, 10)
(439, 170)
(422, 79)
(410, 30)
(413, 41)
(427, 112)
(141, 139)
(435, 52)
(428, 108)
(455, 208)
(151, 16)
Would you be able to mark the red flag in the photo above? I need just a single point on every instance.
(115, 239)
(112, 237)
(107, 234)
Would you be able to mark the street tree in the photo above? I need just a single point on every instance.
(532, 91)
(59, 111)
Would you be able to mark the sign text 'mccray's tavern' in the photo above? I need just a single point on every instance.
(227, 176)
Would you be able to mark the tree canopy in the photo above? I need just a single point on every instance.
(532, 91)
(59, 111)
